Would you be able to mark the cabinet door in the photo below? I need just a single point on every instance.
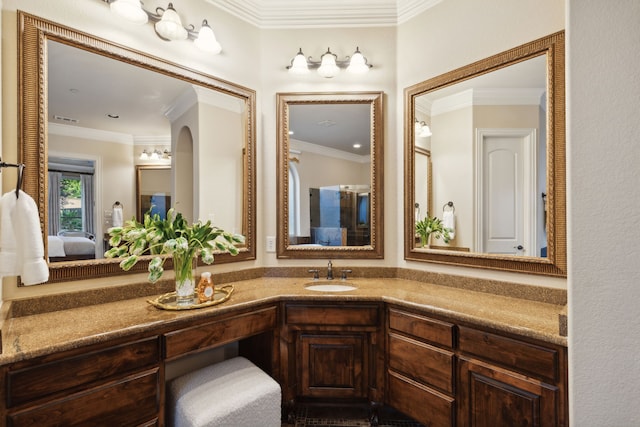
(332, 366)
(492, 397)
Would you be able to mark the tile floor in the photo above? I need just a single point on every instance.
(339, 416)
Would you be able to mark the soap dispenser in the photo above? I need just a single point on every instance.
(205, 288)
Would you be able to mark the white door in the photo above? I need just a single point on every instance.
(504, 202)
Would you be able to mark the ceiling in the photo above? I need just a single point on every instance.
(324, 13)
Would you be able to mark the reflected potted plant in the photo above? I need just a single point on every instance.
(170, 236)
(429, 226)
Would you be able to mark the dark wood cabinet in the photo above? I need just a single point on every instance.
(420, 367)
(116, 384)
(446, 374)
(507, 381)
(332, 351)
(439, 371)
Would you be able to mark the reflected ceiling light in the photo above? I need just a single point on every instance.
(422, 129)
(167, 24)
(329, 65)
(155, 154)
(356, 145)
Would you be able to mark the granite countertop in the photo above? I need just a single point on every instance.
(38, 334)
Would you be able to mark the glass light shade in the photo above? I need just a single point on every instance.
(328, 67)
(144, 155)
(425, 132)
(154, 155)
(358, 64)
(170, 26)
(206, 40)
(131, 10)
(299, 64)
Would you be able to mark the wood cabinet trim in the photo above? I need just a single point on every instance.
(536, 360)
(219, 332)
(68, 374)
(332, 314)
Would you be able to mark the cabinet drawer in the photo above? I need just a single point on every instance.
(220, 332)
(434, 331)
(131, 401)
(426, 406)
(332, 315)
(66, 375)
(530, 359)
(422, 362)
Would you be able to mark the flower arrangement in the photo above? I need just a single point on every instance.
(432, 226)
(170, 236)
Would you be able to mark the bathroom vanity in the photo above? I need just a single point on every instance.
(444, 355)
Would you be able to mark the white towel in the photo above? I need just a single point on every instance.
(449, 221)
(21, 243)
(117, 216)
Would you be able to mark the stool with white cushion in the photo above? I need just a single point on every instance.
(231, 393)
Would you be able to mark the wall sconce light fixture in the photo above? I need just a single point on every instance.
(329, 65)
(155, 154)
(422, 129)
(167, 24)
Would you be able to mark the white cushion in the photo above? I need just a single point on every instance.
(233, 393)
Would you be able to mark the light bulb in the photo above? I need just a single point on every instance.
(206, 40)
(131, 10)
(170, 26)
(299, 64)
(358, 63)
(328, 67)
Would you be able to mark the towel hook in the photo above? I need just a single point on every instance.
(20, 167)
(450, 205)
(20, 176)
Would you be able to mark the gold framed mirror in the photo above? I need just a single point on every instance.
(330, 175)
(180, 93)
(496, 139)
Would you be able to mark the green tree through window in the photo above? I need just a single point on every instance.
(70, 203)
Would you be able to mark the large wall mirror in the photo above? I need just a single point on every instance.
(106, 131)
(485, 153)
(330, 175)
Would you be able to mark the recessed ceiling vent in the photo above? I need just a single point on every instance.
(66, 119)
(326, 123)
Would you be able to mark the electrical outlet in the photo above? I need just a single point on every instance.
(271, 244)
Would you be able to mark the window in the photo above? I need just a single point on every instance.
(70, 198)
(71, 195)
(294, 201)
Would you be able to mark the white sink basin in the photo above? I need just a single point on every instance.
(329, 286)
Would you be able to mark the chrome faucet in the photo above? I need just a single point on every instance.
(329, 271)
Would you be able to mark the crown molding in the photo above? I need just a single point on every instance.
(88, 133)
(324, 13)
(301, 147)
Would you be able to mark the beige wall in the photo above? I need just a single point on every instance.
(219, 158)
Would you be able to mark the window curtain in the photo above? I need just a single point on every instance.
(54, 203)
(87, 203)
